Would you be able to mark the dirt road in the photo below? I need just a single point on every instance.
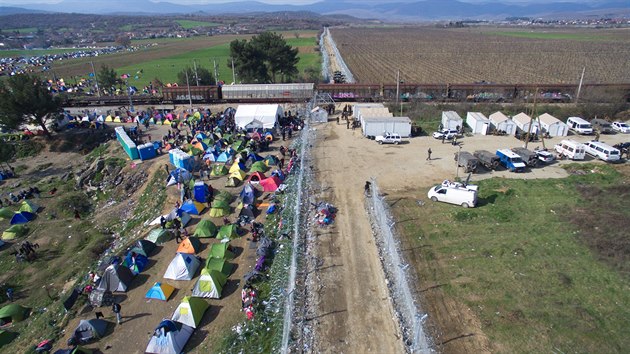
(353, 311)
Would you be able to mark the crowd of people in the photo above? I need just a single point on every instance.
(18, 196)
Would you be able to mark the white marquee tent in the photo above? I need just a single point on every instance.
(257, 115)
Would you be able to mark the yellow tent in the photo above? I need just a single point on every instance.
(235, 167)
(240, 174)
(109, 118)
(117, 119)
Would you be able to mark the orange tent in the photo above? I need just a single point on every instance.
(190, 245)
(256, 177)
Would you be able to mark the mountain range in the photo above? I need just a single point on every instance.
(419, 10)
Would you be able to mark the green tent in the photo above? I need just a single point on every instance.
(219, 209)
(258, 166)
(143, 247)
(14, 231)
(6, 337)
(6, 213)
(13, 313)
(220, 250)
(228, 232)
(224, 196)
(220, 265)
(237, 145)
(159, 236)
(210, 284)
(29, 206)
(190, 311)
(219, 170)
(206, 228)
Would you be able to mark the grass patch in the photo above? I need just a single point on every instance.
(188, 24)
(520, 262)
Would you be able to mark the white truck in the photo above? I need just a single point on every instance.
(388, 138)
(454, 193)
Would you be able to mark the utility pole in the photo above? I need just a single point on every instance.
(531, 121)
(216, 73)
(398, 86)
(189, 95)
(233, 72)
(196, 75)
(457, 163)
(98, 89)
(577, 96)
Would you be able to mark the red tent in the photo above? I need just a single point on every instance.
(270, 184)
(256, 177)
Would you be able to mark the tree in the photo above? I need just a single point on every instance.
(265, 58)
(25, 99)
(204, 77)
(107, 77)
(123, 40)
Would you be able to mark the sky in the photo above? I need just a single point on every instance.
(292, 2)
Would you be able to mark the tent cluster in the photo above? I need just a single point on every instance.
(27, 212)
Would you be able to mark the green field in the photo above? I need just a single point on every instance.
(188, 24)
(21, 30)
(521, 261)
(553, 35)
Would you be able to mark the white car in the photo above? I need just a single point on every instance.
(621, 127)
(545, 156)
(448, 134)
(388, 138)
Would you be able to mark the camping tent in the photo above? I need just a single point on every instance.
(227, 232)
(210, 284)
(221, 250)
(22, 217)
(248, 210)
(135, 264)
(256, 176)
(235, 178)
(220, 265)
(237, 166)
(190, 245)
(502, 123)
(29, 206)
(270, 184)
(159, 236)
(257, 116)
(14, 231)
(206, 228)
(6, 213)
(179, 175)
(143, 247)
(169, 337)
(272, 160)
(190, 311)
(88, 330)
(192, 207)
(218, 170)
(248, 194)
(13, 313)
(182, 267)
(219, 208)
(160, 291)
(451, 120)
(259, 166)
(115, 278)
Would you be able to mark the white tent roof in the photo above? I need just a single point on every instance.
(498, 117)
(547, 119)
(168, 342)
(257, 115)
(182, 267)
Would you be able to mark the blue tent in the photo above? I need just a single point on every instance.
(179, 175)
(137, 266)
(248, 194)
(278, 174)
(201, 136)
(254, 157)
(190, 207)
(210, 155)
(223, 157)
(22, 217)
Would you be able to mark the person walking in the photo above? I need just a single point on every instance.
(116, 309)
(429, 154)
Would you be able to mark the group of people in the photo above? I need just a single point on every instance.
(248, 299)
(26, 251)
(17, 197)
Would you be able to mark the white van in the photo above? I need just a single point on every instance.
(571, 149)
(580, 126)
(454, 193)
(602, 151)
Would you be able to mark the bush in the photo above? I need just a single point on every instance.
(74, 200)
(28, 149)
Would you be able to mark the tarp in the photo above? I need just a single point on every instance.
(115, 278)
(179, 175)
(248, 194)
(90, 329)
(13, 313)
(190, 245)
(257, 116)
(227, 232)
(182, 267)
(160, 291)
(159, 236)
(221, 250)
(135, 264)
(270, 184)
(14, 231)
(29, 206)
(143, 247)
(206, 228)
(190, 311)
(169, 337)
(192, 207)
(210, 284)
(220, 265)
(22, 217)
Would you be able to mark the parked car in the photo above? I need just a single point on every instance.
(389, 138)
(511, 160)
(602, 151)
(621, 127)
(579, 126)
(454, 193)
(448, 134)
(545, 156)
(602, 126)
